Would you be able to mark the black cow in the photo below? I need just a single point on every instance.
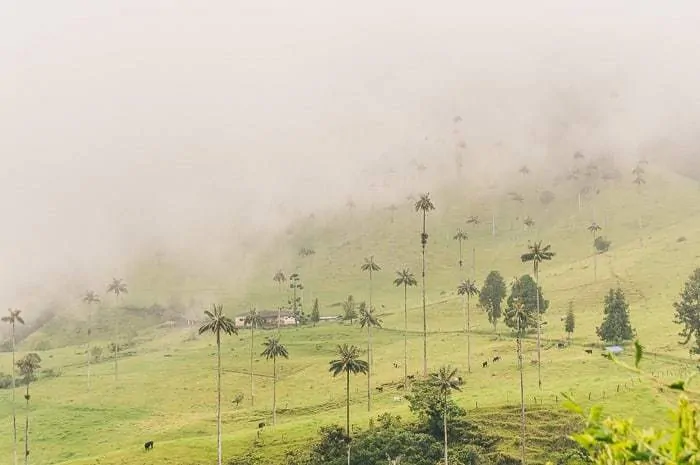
(496, 358)
(411, 377)
(589, 351)
(148, 445)
(261, 425)
(560, 345)
(485, 364)
(380, 388)
(460, 380)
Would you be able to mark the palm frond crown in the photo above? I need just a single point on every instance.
(348, 361)
(216, 322)
(13, 316)
(368, 317)
(274, 349)
(468, 288)
(460, 235)
(445, 380)
(253, 318)
(424, 203)
(370, 264)
(117, 287)
(405, 278)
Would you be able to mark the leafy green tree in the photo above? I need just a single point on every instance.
(348, 362)
(28, 366)
(468, 289)
(274, 350)
(570, 321)
(254, 320)
(459, 237)
(12, 319)
(616, 325)
(424, 205)
(491, 297)
(315, 313)
(217, 323)
(295, 304)
(280, 279)
(117, 287)
(688, 311)
(538, 253)
(526, 290)
(368, 319)
(426, 402)
(406, 279)
(601, 244)
(445, 380)
(349, 309)
(89, 298)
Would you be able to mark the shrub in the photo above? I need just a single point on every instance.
(51, 373)
(5, 381)
(601, 244)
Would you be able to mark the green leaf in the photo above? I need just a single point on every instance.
(638, 352)
(570, 405)
(595, 414)
(678, 385)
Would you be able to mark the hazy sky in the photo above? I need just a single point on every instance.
(136, 120)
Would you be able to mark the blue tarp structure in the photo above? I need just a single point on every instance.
(614, 349)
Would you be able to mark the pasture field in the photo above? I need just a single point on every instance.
(166, 388)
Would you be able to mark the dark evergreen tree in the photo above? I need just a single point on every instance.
(688, 311)
(525, 289)
(315, 313)
(491, 297)
(570, 321)
(616, 325)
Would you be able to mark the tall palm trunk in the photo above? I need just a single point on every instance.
(218, 397)
(369, 370)
(14, 407)
(460, 255)
(252, 334)
(522, 397)
(88, 344)
(595, 258)
(116, 347)
(469, 336)
(444, 427)
(425, 322)
(274, 390)
(537, 294)
(26, 427)
(405, 335)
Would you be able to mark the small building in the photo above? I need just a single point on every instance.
(269, 318)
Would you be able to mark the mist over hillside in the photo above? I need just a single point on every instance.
(200, 131)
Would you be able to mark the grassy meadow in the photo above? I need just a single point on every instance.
(166, 390)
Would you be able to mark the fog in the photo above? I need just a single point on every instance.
(186, 124)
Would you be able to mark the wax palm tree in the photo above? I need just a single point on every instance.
(12, 319)
(537, 254)
(117, 287)
(406, 279)
(524, 170)
(519, 314)
(368, 319)
(459, 237)
(594, 228)
(348, 362)
(370, 266)
(27, 367)
(446, 381)
(424, 205)
(252, 319)
(90, 298)
(218, 324)
(273, 350)
(467, 289)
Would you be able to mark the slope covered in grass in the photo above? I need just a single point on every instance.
(166, 390)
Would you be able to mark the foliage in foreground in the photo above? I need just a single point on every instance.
(613, 441)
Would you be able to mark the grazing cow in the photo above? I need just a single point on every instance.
(589, 351)
(411, 377)
(148, 445)
(460, 380)
(399, 386)
(380, 388)
(484, 364)
(261, 425)
(560, 345)
(496, 358)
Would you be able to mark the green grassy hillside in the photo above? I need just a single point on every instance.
(166, 390)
